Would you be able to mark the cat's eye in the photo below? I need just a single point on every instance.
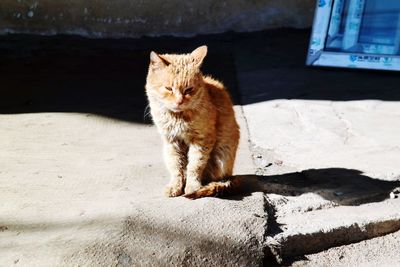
(188, 90)
(168, 88)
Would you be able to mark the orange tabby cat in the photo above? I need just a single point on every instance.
(195, 118)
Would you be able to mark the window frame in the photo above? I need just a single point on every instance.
(318, 56)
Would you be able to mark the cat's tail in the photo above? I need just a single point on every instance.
(216, 189)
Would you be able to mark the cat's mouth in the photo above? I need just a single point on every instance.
(176, 110)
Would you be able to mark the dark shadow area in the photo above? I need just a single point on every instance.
(107, 76)
(72, 74)
(271, 65)
(343, 186)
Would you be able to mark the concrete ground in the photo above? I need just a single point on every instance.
(82, 174)
(379, 251)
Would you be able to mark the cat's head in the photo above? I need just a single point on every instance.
(175, 81)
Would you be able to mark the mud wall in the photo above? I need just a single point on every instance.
(133, 18)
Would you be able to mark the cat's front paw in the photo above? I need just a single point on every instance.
(173, 191)
(192, 187)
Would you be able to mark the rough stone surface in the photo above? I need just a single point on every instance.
(85, 190)
(133, 18)
(380, 251)
(304, 232)
(312, 134)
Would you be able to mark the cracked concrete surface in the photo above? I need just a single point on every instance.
(380, 251)
(314, 230)
(319, 134)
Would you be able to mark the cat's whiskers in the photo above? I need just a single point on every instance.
(146, 112)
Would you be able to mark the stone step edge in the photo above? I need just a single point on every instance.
(284, 247)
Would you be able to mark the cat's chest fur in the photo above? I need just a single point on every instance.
(176, 126)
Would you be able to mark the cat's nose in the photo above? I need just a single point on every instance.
(179, 101)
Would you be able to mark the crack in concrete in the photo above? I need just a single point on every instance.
(347, 124)
(272, 246)
(300, 118)
(246, 123)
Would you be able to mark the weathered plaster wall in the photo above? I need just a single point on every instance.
(132, 18)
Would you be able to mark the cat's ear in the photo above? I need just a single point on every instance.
(157, 61)
(199, 54)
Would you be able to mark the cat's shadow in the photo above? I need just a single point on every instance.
(343, 186)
